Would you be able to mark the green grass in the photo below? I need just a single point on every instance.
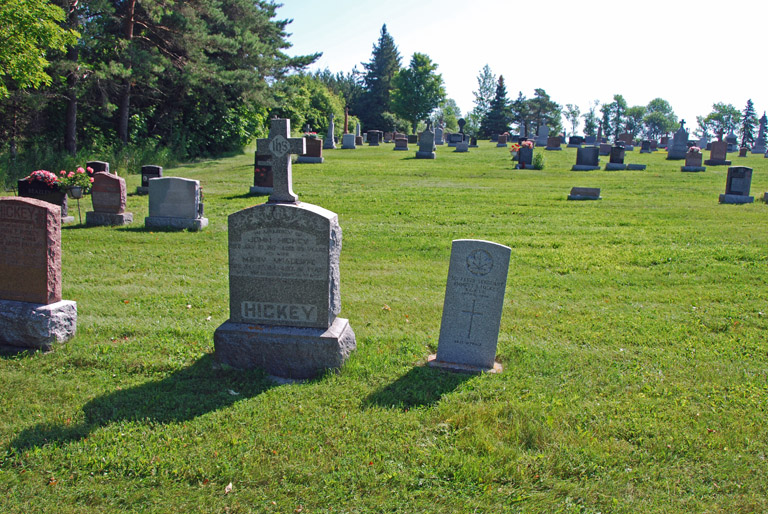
(633, 341)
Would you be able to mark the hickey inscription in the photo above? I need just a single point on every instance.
(278, 311)
(278, 253)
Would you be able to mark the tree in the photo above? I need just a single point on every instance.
(544, 111)
(306, 100)
(520, 113)
(417, 90)
(748, 123)
(380, 71)
(498, 117)
(659, 118)
(348, 86)
(486, 89)
(572, 113)
(448, 113)
(614, 115)
(590, 120)
(722, 119)
(634, 120)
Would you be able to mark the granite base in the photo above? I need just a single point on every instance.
(35, 326)
(260, 190)
(461, 368)
(693, 168)
(348, 147)
(67, 219)
(286, 352)
(573, 146)
(309, 160)
(425, 155)
(142, 190)
(584, 167)
(636, 167)
(717, 162)
(501, 145)
(552, 148)
(582, 197)
(736, 199)
(528, 166)
(615, 166)
(193, 224)
(107, 219)
(400, 148)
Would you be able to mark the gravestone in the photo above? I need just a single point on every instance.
(473, 142)
(743, 151)
(348, 142)
(148, 171)
(462, 147)
(314, 152)
(664, 142)
(175, 203)
(438, 135)
(590, 140)
(474, 297)
(262, 175)
(553, 143)
(717, 154)
(703, 142)
(737, 185)
(455, 139)
(542, 138)
(373, 138)
(501, 141)
(388, 137)
(585, 193)
(284, 282)
(413, 138)
(51, 194)
(98, 166)
(357, 130)
(679, 146)
(108, 195)
(32, 313)
(524, 158)
(733, 141)
(587, 159)
(616, 161)
(760, 142)
(426, 144)
(627, 141)
(330, 142)
(359, 141)
(401, 144)
(645, 146)
(575, 141)
(604, 149)
(693, 162)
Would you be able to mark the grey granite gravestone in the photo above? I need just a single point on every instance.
(284, 282)
(616, 160)
(401, 144)
(462, 147)
(175, 203)
(330, 142)
(737, 185)
(585, 193)
(108, 195)
(426, 144)
(693, 162)
(438, 135)
(32, 314)
(348, 142)
(542, 136)
(474, 297)
(575, 141)
(587, 159)
(373, 138)
(590, 140)
(717, 154)
(148, 171)
(760, 142)
(473, 142)
(524, 158)
(645, 146)
(679, 146)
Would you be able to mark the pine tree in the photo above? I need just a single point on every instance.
(384, 64)
(748, 123)
(497, 120)
(486, 86)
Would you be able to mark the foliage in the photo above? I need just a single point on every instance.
(721, 120)
(748, 124)
(380, 72)
(348, 87)
(520, 113)
(544, 112)
(417, 90)
(572, 113)
(29, 29)
(392, 122)
(590, 119)
(614, 116)
(538, 161)
(78, 178)
(486, 89)
(659, 118)
(448, 112)
(304, 99)
(498, 117)
(634, 120)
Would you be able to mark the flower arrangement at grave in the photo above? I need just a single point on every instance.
(694, 149)
(311, 135)
(514, 148)
(527, 144)
(44, 177)
(81, 177)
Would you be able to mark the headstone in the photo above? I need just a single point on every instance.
(679, 144)
(461, 122)
(604, 149)
(543, 136)
(625, 138)
(284, 287)
(693, 162)
(51, 194)
(743, 151)
(501, 141)
(616, 161)
(664, 141)
(32, 313)
(590, 140)
(587, 159)
(438, 135)
(314, 151)
(654, 145)
(717, 154)
(108, 195)
(401, 144)
(373, 138)
(388, 137)
(330, 142)
(357, 130)
(473, 142)
(760, 142)
(148, 171)
(462, 147)
(575, 141)
(455, 139)
(175, 203)
(358, 141)
(585, 193)
(737, 185)
(733, 142)
(645, 146)
(413, 138)
(474, 297)
(703, 142)
(98, 166)
(524, 158)
(348, 142)
(426, 144)
(553, 143)
(262, 175)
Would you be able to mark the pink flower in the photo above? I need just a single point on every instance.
(70, 174)
(62, 173)
(91, 179)
(90, 170)
(80, 170)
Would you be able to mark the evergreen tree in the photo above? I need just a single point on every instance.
(544, 111)
(590, 120)
(520, 113)
(572, 114)
(498, 117)
(417, 90)
(748, 123)
(486, 88)
(380, 71)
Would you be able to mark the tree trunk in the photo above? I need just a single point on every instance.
(123, 114)
(70, 130)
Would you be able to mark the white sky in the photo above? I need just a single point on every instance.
(692, 54)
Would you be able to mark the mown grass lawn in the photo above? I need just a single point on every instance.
(633, 341)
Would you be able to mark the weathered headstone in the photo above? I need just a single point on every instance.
(693, 162)
(474, 297)
(401, 144)
(47, 193)
(604, 149)
(373, 138)
(679, 146)
(32, 313)
(737, 185)
(284, 286)
(462, 147)
(438, 135)
(148, 171)
(348, 142)
(645, 146)
(314, 152)
(587, 159)
(542, 138)
(262, 175)
(98, 166)
(717, 154)
(330, 142)
(426, 144)
(616, 161)
(501, 141)
(108, 195)
(760, 142)
(553, 143)
(175, 203)
(473, 142)
(585, 193)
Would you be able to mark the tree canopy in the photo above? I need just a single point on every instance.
(498, 117)
(417, 90)
(380, 71)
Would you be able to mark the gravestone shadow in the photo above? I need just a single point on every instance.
(421, 386)
(246, 195)
(181, 396)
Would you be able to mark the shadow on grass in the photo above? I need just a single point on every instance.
(182, 396)
(246, 195)
(421, 386)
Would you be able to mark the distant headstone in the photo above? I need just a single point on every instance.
(413, 138)
(616, 161)
(357, 130)
(51, 194)
(461, 122)
(348, 142)
(524, 158)
(625, 138)
(314, 151)
(585, 193)
(330, 142)
(604, 149)
(262, 175)
(553, 143)
(590, 140)
(426, 144)
(32, 313)
(175, 203)
(148, 171)
(501, 141)
(373, 138)
(474, 297)
(733, 142)
(401, 144)
(575, 141)
(542, 138)
(703, 142)
(737, 185)
(108, 195)
(438, 135)
(98, 166)
(462, 147)
(743, 151)
(587, 159)
(389, 137)
(645, 146)
(359, 141)
(679, 144)
(760, 142)
(454, 139)
(693, 162)
(473, 142)
(717, 154)
(284, 288)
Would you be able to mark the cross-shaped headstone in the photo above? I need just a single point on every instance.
(280, 146)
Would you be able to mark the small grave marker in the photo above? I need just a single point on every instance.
(737, 185)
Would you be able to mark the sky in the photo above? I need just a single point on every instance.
(691, 54)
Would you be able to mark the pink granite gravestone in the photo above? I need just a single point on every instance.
(109, 197)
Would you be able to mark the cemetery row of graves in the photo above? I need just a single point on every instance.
(617, 333)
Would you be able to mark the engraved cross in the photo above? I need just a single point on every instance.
(472, 315)
(279, 146)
